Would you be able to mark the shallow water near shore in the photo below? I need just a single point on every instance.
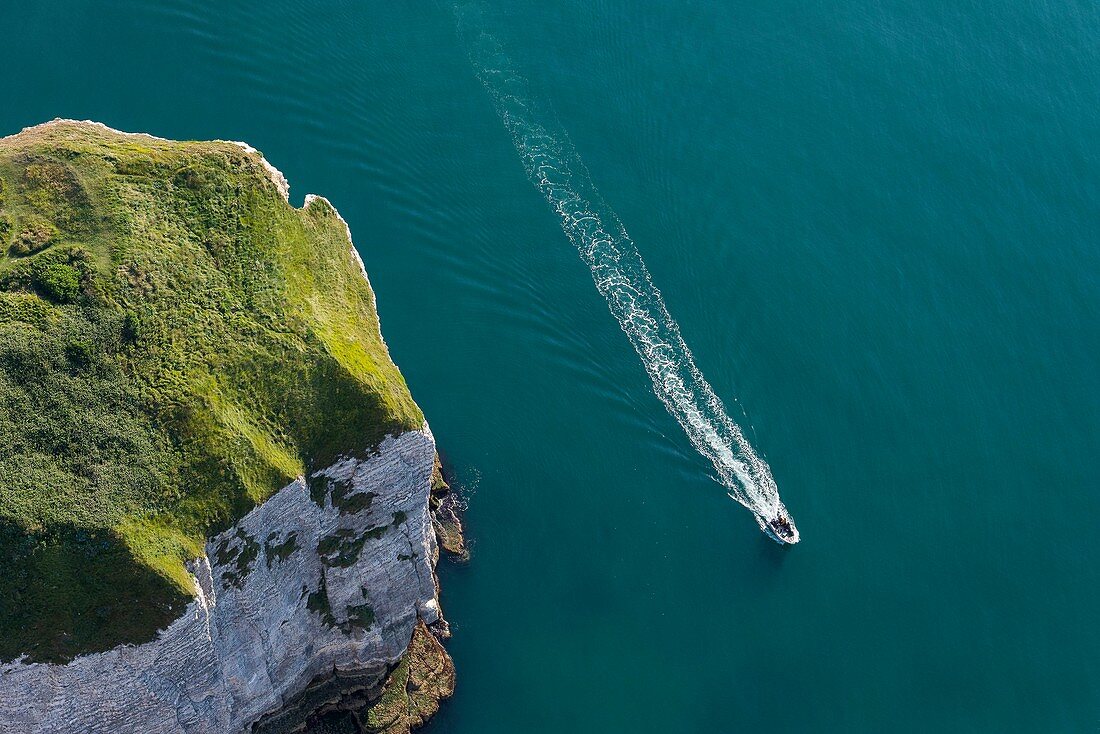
(876, 226)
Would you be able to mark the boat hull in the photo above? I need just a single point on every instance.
(766, 527)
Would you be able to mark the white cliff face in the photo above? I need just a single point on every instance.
(301, 585)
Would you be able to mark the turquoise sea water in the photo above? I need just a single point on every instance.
(877, 225)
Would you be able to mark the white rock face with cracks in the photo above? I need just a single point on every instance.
(252, 638)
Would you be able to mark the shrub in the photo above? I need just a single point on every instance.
(80, 353)
(131, 327)
(58, 282)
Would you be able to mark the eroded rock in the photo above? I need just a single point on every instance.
(252, 640)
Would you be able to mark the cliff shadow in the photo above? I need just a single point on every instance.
(67, 591)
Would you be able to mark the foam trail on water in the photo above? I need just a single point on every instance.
(556, 170)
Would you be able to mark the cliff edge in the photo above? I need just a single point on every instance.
(215, 487)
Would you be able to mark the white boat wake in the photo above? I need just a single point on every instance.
(556, 170)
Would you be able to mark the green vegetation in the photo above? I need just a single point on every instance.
(349, 504)
(342, 548)
(240, 550)
(318, 602)
(279, 551)
(360, 616)
(176, 344)
(414, 688)
(321, 486)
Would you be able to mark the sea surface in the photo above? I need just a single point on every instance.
(875, 226)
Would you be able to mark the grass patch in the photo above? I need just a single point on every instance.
(176, 344)
(342, 548)
(318, 603)
(350, 504)
(279, 551)
(236, 555)
(360, 616)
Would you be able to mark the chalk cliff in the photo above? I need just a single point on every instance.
(238, 338)
(300, 587)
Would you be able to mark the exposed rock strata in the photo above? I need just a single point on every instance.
(367, 703)
(402, 698)
(333, 574)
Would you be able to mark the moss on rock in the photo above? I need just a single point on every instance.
(413, 690)
(447, 515)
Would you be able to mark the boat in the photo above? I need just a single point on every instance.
(779, 526)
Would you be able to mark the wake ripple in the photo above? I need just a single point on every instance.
(555, 168)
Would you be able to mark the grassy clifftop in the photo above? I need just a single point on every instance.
(176, 343)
